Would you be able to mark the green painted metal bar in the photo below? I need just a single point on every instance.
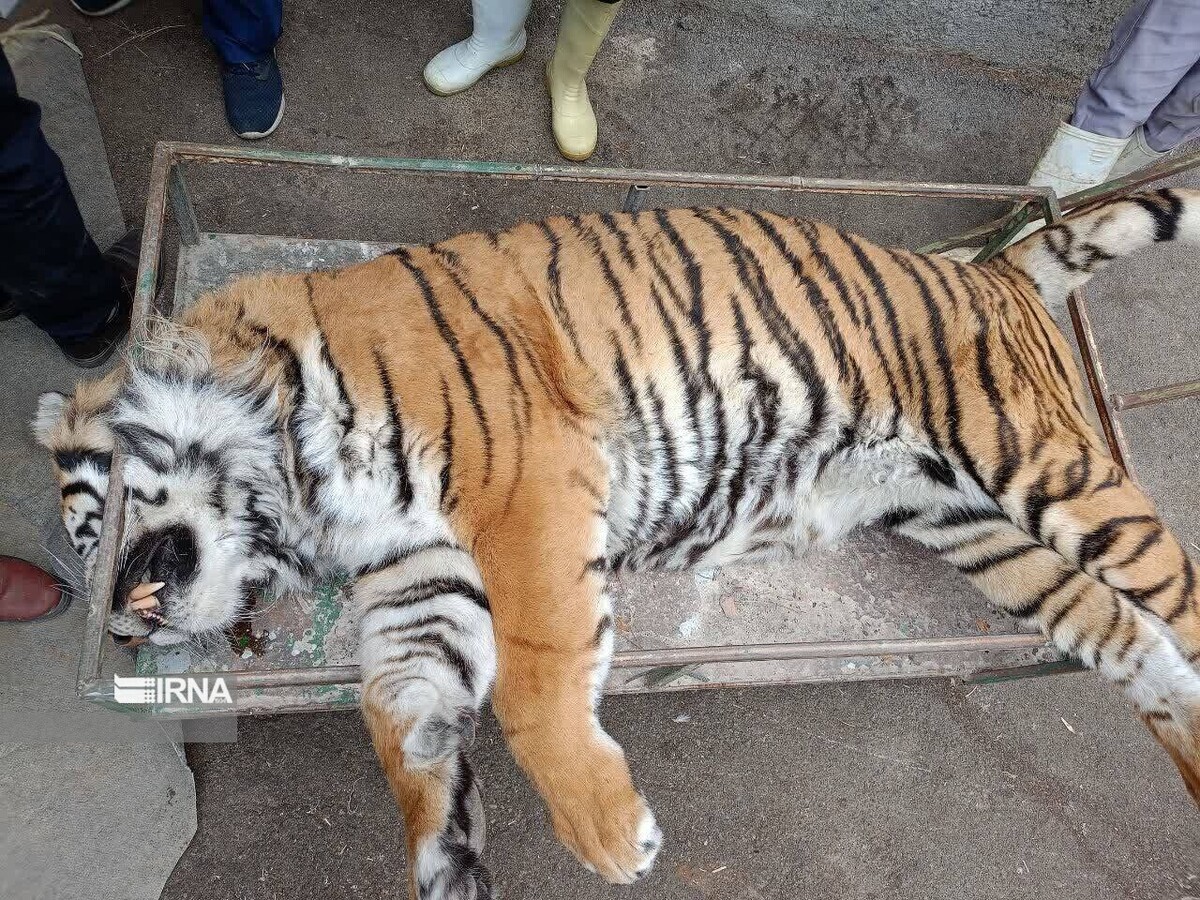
(398, 165)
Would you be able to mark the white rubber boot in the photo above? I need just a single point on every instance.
(584, 25)
(497, 39)
(1136, 155)
(1076, 160)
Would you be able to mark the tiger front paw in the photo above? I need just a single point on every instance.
(608, 825)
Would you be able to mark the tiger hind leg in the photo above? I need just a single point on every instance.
(1127, 644)
(428, 660)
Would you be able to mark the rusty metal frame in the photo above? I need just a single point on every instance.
(168, 189)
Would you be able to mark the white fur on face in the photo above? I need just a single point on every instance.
(202, 455)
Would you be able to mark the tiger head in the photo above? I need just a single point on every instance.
(206, 497)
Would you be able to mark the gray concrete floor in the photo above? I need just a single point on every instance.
(915, 790)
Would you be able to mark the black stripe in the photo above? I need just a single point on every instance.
(450, 654)
(451, 339)
(446, 476)
(427, 590)
(660, 273)
(1141, 596)
(880, 290)
(159, 498)
(594, 243)
(1186, 592)
(937, 469)
(896, 517)
(610, 223)
(968, 515)
(1110, 629)
(1166, 220)
(1033, 606)
(1007, 441)
(691, 269)
(1100, 540)
(554, 276)
(154, 449)
(981, 566)
(1065, 610)
(1127, 644)
(453, 264)
(404, 488)
(667, 440)
(1112, 480)
(683, 370)
(779, 327)
(399, 556)
(69, 460)
(830, 269)
(346, 414)
(603, 627)
(938, 340)
(1060, 240)
(80, 487)
(638, 433)
(925, 395)
(429, 621)
(292, 377)
(816, 299)
(577, 479)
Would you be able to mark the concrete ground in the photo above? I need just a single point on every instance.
(1033, 789)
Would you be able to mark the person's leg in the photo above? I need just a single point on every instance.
(1177, 119)
(585, 23)
(497, 39)
(244, 34)
(1153, 48)
(50, 268)
(243, 31)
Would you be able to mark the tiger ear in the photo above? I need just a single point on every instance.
(51, 408)
(171, 347)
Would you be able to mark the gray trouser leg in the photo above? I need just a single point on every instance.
(1152, 58)
(1178, 117)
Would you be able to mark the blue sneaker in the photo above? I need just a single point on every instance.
(253, 97)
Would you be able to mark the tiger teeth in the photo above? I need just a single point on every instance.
(145, 590)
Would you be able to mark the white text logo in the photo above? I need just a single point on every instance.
(158, 690)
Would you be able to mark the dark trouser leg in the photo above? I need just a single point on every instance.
(49, 266)
(243, 31)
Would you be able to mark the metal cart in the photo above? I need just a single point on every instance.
(875, 607)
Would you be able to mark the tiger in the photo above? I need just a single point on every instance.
(482, 430)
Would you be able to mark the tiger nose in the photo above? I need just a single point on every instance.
(173, 557)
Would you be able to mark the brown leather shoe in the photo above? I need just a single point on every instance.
(27, 593)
